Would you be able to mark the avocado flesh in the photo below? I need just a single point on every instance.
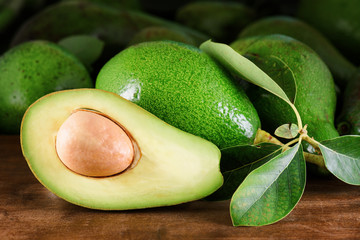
(31, 70)
(186, 88)
(315, 97)
(174, 167)
(340, 67)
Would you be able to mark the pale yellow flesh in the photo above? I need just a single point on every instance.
(174, 167)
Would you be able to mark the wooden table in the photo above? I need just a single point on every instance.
(329, 209)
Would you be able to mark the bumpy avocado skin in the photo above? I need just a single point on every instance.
(184, 87)
(315, 96)
(340, 67)
(30, 71)
(338, 20)
(348, 121)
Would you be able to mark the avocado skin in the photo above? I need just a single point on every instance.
(186, 88)
(340, 67)
(348, 121)
(31, 70)
(220, 20)
(315, 96)
(338, 20)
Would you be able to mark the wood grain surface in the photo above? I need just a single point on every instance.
(329, 209)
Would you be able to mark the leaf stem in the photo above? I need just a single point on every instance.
(263, 136)
(298, 118)
(312, 158)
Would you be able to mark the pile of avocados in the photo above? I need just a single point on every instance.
(123, 105)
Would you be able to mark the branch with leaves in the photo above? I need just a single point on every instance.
(266, 188)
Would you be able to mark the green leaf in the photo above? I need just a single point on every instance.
(86, 48)
(288, 131)
(342, 157)
(239, 64)
(238, 156)
(271, 191)
(278, 70)
(247, 70)
(233, 178)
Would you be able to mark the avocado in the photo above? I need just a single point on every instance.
(338, 20)
(303, 76)
(63, 131)
(220, 20)
(186, 88)
(161, 33)
(31, 70)
(348, 122)
(341, 69)
(116, 27)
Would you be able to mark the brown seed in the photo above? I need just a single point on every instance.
(93, 145)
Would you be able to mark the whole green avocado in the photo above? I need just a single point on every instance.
(341, 68)
(186, 88)
(31, 70)
(304, 77)
(114, 27)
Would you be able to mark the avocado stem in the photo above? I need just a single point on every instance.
(315, 159)
(312, 141)
(312, 158)
(263, 136)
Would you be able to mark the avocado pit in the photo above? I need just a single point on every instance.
(93, 145)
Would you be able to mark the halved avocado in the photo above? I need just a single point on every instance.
(169, 166)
